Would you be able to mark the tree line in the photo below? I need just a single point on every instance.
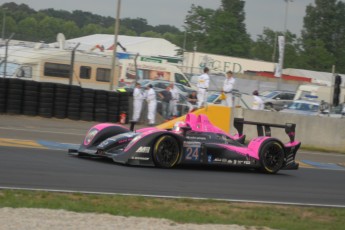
(221, 31)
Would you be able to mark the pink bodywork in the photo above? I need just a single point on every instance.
(201, 123)
(100, 127)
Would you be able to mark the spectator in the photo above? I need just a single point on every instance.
(174, 100)
(192, 98)
(228, 86)
(151, 104)
(138, 99)
(166, 97)
(258, 103)
(203, 84)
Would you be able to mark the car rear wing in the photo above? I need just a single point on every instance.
(264, 129)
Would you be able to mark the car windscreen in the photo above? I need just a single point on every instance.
(144, 82)
(212, 98)
(303, 106)
(183, 89)
(268, 94)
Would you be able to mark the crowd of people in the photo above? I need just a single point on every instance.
(170, 96)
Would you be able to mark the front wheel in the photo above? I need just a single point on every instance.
(269, 106)
(271, 157)
(166, 152)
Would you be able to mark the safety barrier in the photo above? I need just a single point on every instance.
(49, 99)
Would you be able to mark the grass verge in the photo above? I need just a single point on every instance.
(182, 210)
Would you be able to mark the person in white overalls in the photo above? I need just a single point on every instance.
(258, 103)
(174, 100)
(151, 104)
(203, 84)
(228, 86)
(138, 99)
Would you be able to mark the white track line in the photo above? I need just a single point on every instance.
(179, 197)
(42, 131)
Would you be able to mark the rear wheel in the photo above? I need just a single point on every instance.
(166, 152)
(271, 157)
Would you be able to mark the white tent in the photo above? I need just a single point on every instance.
(143, 45)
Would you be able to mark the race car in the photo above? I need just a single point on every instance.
(193, 141)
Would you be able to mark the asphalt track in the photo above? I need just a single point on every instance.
(33, 156)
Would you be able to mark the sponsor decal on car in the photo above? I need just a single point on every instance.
(196, 138)
(140, 158)
(143, 149)
(232, 162)
(191, 144)
(192, 150)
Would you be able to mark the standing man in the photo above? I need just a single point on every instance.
(203, 84)
(174, 100)
(138, 99)
(228, 86)
(258, 103)
(151, 104)
(165, 96)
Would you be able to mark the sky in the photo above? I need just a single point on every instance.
(259, 13)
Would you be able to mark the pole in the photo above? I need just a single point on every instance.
(113, 63)
(184, 50)
(194, 50)
(136, 67)
(71, 71)
(3, 25)
(6, 53)
(275, 47)
(185, 38)
(332, 90)
(285, 33)
(184, 41)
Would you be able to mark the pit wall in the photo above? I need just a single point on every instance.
(319, 133)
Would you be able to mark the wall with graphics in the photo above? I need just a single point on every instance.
(194, 63)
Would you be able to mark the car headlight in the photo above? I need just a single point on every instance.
(90, 135)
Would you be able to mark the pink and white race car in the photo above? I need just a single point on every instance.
(193, 141)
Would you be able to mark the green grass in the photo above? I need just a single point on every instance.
(182, 210)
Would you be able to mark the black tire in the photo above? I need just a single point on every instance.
(271, 157)
(166, 152)
(85, 116)
(269, 106)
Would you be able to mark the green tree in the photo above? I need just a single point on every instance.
(124, 31)
(197, 25)
(264, 47)
(28, 29)
(10, 26)
(151, 34)
(316, 56)
(48, 28)
(70, 29)
(220, 31)
(324, 26)
(139, 25)
(91, 29)
(162, 29)
(174, 38)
